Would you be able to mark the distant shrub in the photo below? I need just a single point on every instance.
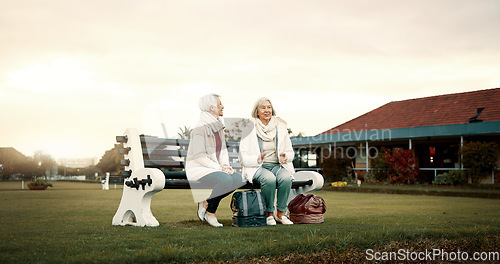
(451, 178)
(401, 165)
(40, 182)
(380, 173)
(335, 167)
(480, 158)
(370, 178)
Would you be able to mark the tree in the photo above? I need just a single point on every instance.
(110, 161)
(16, 164)
(290, 133)
(89, 171)
(44, 161)
(185, 133)
(234, 132)
(480, 158)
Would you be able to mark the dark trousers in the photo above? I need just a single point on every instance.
(222, 185)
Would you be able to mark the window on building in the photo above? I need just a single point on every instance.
(305, 158)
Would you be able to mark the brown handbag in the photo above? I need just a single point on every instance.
(307, 209)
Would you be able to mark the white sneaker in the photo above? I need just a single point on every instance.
(201, 211)
(212, 221)
(270, 220)
(284, 220)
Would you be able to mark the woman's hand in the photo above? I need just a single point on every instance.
(283, 158)
(227, 169)
(261, 157)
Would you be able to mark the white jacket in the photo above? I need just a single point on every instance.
(250, 150)
(201, 158)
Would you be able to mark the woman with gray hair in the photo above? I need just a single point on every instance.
(207, 160)
(266, 155)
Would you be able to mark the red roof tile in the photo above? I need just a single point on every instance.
(445, 109)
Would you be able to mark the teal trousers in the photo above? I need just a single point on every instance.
(275, 181)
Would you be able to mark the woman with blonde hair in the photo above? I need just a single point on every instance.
(266, 155)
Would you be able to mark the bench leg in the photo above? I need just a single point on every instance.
(135, 205)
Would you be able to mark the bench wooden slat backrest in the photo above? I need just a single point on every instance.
(165, 153)
(169, 155)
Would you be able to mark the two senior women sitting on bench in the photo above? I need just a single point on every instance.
(266, 155)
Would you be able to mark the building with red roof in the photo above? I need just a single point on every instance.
(448, 109)
(434, 127)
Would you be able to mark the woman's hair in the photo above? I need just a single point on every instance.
(208, 100)
(259, 102)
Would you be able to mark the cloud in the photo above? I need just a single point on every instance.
(58, 75)
(61, 75)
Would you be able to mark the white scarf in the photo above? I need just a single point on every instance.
(266, 133)
(211, 123)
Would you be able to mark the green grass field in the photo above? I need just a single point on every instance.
(491, 191)
(71, 223)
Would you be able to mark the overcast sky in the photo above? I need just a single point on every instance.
(74, 74)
